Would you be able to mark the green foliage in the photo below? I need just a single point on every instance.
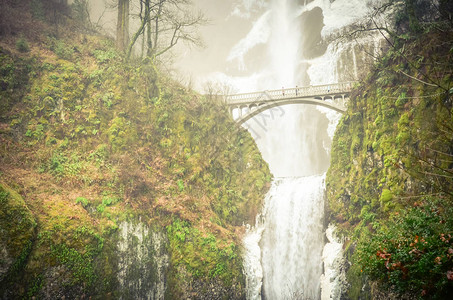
(382, 165)
(35, 287)
(56, 164)
(105, 56)
(122, 131)
(81, 265)
(17, 227)
(402, 100)
(107, 201)
(82, 200)
(63, 163)
(60, 48)
(203, 256)
(108, 99)
(96, 77)
(35, 131)
(80, 9)
(366, 214)
(180, 185)
(99, 155)
(178, 230)
(22, 44)
(71, 243)
(37, 9)
(15, 74)
(416, 17)
(413, 251)
(3, 197)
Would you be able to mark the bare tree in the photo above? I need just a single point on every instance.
(163, 24)
(81, 12)
(217, 90)
(398, 22)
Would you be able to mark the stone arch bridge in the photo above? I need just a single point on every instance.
(333, 96)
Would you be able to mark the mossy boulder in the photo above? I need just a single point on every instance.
(17, 232)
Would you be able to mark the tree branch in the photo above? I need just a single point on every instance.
(419, 80)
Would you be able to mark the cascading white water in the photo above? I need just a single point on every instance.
(284, 250)
(293, 238)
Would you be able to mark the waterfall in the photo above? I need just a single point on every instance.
(283, 257)
(284, 248)
(293, 239)
(285, 251)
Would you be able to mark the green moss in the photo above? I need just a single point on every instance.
(385, 200)
(120, 134)
(96, 141)
(17, 228)
(398, 153)
(386, 196)
(205, 257)
(80, 265)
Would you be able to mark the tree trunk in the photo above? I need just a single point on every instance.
(148, 33)
(122, 26)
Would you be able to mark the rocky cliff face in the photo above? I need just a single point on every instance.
(391, 161)
(142, 262)
(117, 182)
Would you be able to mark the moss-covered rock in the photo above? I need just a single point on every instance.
(392, 151)
(96, 142)
(17, 234)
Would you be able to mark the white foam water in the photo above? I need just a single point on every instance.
(284, 253)
(284, 248)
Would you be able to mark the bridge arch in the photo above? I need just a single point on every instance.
(332, 96)
(312, 101)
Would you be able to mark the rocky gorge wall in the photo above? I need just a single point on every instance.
(117, 182)
(391, 169)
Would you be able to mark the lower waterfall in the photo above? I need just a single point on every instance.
(286, 243)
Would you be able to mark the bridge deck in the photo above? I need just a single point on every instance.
(292, 93)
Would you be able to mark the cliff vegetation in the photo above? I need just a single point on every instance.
(391, 178)
(89, 143)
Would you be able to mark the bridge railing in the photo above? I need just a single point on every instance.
(307, 91)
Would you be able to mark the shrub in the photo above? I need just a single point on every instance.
(37, 9)
(83, 201)
(62, 50)
(103, 57)
(22, 45)
(413, 254)
(180, 185)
